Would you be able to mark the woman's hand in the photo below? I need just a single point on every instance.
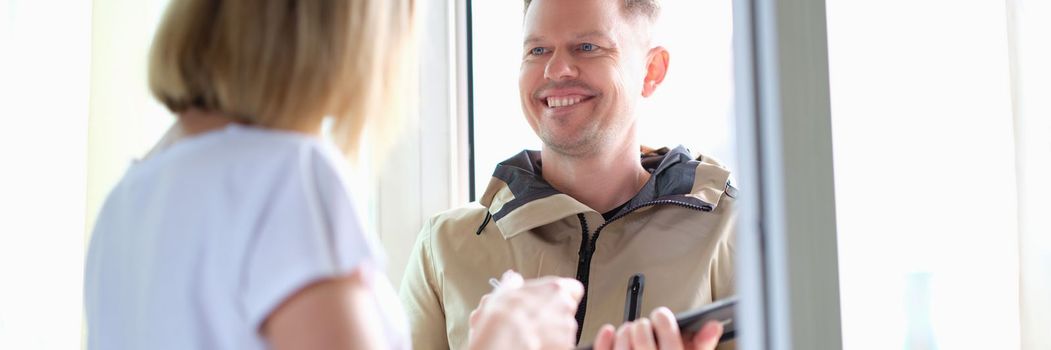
(639, 334)
(534, 314)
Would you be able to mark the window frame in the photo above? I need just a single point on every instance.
(789, 288)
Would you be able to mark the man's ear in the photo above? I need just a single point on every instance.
(656, 69)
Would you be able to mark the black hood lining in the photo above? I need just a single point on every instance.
(673, 174)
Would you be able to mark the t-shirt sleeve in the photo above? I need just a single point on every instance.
(308, 231)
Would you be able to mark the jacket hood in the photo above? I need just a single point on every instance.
(518, 198)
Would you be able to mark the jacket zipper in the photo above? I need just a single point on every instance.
(587, 249)
(583, 270)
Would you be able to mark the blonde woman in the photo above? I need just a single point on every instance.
(238, 231)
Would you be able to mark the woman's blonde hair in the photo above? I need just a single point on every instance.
(287, 64)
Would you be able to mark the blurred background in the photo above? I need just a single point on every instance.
(941, 115)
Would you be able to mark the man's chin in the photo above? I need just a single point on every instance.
(570, 147)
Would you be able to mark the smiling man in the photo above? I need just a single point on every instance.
(586, 205)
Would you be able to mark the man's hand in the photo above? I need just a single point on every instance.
(534, 314)
(639, 334)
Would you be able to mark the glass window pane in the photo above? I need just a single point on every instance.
(924, 166)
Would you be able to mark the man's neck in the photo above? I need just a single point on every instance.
(602, 181)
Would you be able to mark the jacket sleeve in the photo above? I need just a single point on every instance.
(421, 295)
(722, 270)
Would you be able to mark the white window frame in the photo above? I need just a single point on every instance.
(425, 173)
(1031, 80)
(788, 280)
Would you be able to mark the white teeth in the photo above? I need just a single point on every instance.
(554, 102)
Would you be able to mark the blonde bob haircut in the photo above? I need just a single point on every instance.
(287, 64)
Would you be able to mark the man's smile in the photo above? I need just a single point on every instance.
(557, 98)
(566, 101)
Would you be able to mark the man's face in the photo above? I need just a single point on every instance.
(583, 67)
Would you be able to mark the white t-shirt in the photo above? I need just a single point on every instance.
(198, 244)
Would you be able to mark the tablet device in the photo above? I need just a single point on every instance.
(691, 321)
(721, 310)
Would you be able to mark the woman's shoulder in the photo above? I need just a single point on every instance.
(240, 149)
(246, 168)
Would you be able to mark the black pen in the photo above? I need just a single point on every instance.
(633, 301)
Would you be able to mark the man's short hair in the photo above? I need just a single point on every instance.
(649, 9)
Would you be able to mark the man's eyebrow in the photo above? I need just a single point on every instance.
(532, 39)
(588, 35)
(595, 34)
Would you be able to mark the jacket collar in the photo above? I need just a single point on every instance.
(519, 199)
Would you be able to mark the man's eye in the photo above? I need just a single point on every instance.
(537, 51)
(587, 47)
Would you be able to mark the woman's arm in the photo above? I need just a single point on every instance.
(335, 313)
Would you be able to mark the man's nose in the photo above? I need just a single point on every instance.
(560, 66)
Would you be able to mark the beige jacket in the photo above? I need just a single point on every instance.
(678, 231)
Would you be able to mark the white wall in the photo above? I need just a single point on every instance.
(44, 54)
